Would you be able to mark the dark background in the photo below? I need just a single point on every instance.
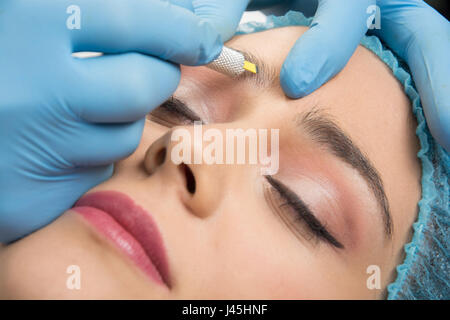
(443, 6)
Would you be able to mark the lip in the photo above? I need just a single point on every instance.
(130, 228)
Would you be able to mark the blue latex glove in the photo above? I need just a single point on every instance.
(414, 30)
(224, 15)
(325, 48)
(421, 36)
(64, 121)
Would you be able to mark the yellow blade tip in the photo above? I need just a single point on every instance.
(250, 66)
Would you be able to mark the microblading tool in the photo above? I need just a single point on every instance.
(232, 63)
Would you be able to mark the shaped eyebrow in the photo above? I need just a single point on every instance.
(267, 76)
(328, 134)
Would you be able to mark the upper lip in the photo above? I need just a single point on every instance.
(135, 220)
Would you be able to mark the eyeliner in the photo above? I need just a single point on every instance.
(303, 212)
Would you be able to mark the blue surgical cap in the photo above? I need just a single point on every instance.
(425, 272)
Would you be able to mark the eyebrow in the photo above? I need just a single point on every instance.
(267, 76)
(326, 132)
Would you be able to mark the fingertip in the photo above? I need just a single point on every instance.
(208, 55)
(125, 139)
(311, 63)
(210, 44)
(292, 86)
(299, 80)
(324, 49)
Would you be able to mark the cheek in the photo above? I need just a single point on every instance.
(36, 266)
(254, 255)
(264, 262)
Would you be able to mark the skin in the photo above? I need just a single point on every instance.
(233, 243)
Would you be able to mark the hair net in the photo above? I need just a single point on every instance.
(425, 272)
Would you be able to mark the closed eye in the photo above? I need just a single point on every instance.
(174, 112)
(303, 213)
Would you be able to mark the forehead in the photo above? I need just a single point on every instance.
(219, 94)
(271, 46)
(363, 95)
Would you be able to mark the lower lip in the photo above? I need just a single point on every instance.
(104, 223)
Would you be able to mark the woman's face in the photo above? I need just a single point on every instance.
(343, 198)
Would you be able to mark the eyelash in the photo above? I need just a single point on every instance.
(300, 217)
(165, 113)
(285, 205)
(293, 220)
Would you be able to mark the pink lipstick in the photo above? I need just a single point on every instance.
(130, 228)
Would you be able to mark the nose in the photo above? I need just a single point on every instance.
(156, 153)
(199, 183)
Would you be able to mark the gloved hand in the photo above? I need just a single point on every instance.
(421, 36)
(414, 30)
(325, 48)
(224, 15)
(64, 121)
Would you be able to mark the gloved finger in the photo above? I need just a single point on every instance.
(223, 15)
(421, 36)
(120, 88)
(17, 220)
(326, 47)
(101, 144)
(187, 4)
(156, 28)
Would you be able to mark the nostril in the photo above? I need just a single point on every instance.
(189, 177)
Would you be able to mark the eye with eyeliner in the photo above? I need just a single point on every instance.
(297, 214)
(173, 112)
